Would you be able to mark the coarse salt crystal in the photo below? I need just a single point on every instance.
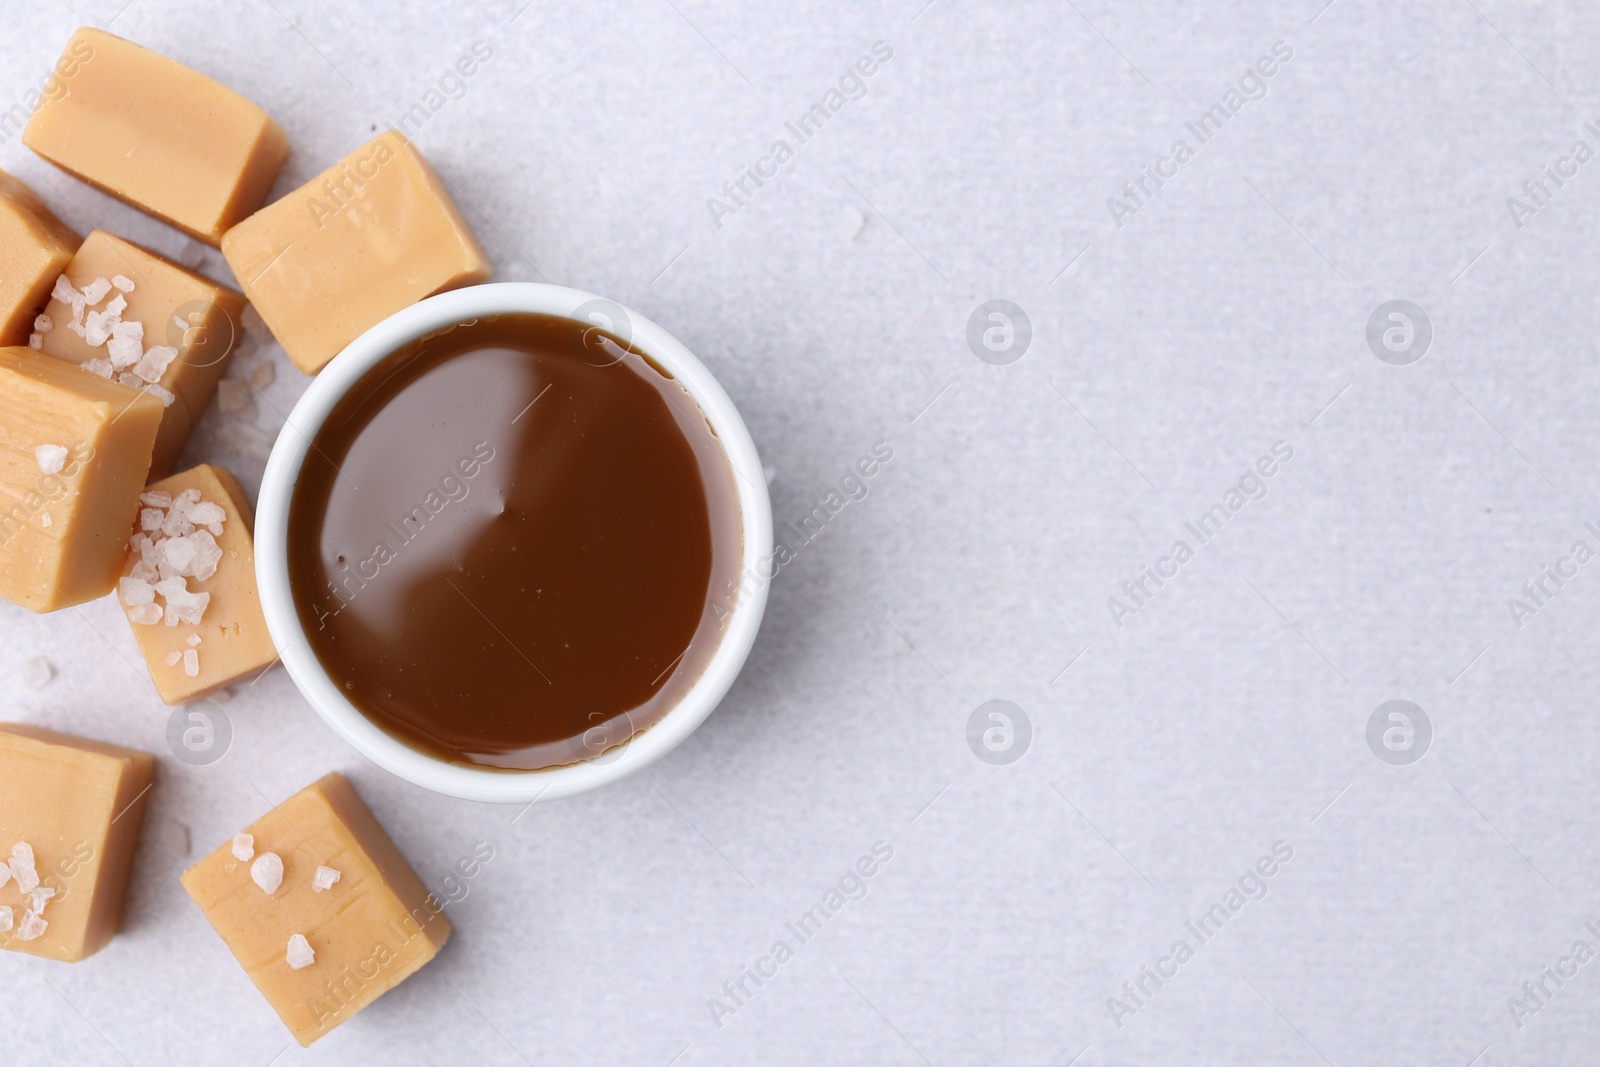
(44, 324)
(51, 458)
(191, 663)
(190, 496)
(136, 591)
(263, 375)
(116, 306)
(22, 868)
(131, 330)
(151, 518)
(96, 291)
(7, 919)
(36, 341)
(97, 328)
(31, 928)
(123, 282)
(323, 880)
(174, 657)
(267, 872)
(39, 897)
(233, 396)
(5, 874)
(124, 351)
(36, 674)
(76, 325)
(254, 324)
(145, 614)
(164, 395)
(208, 514)
(299, 955)
(193, 640)
(182, 605)
(156, 498)
(101, 367)
(45, 520)
(64, 291)
(144, 572)
(244, 846)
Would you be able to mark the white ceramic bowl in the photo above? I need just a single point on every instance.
(272, 565)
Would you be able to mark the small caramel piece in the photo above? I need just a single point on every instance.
(178, 311)
(366, 933)
(164, 138)
(371, 235)
(34, 248)
(231, 640)
(74, 453)
(73, 808)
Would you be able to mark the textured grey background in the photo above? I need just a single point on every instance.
(1167, 355)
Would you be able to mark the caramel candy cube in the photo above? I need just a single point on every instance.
(34, 248)
(371, 235)
(366, 933)
(186, 329)
(189, 659)
(166, 139)
(74, 452)
(69, 823)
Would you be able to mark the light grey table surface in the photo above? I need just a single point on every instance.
(1175, 340)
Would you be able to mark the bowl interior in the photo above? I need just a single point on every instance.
(271, 544)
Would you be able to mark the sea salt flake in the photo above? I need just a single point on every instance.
(31, 928)
(64, 291)
(233, 396)
(145, 614)
(154, 363)
(131, 330)
(151, 518)
(39, 897)
(324, 878)
(22, 868)
(164, 395)
(124, 352)
(174, 658)
(101, 367)
(122, 282)
(5, 874)
(191, 663)
(44, 324)
(267, 872)
(51, 458)
(136, 591)
(36, 674)
(96, 291)
(263, 375)
(299, 954)
(46, 521)
(156, 498)
(76, 326)
(244, 846)
(97, 328)
(144, 572)
(254, 324)
(36, 341)
(115, 307)
(7, 921)
(182, 605)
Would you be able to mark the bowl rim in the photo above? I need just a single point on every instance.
(272, 568)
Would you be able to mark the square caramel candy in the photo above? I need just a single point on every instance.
(319, 907)
(189, 585)
(34, 249)
(128, 314)
(371, 235)
(153, 133)
(74, 453)
(70, 810)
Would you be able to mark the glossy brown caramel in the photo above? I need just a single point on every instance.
(509, 541)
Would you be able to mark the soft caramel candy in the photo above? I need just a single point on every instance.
(214, 640)
(371, 235)
(34, 248)
(164, 138)
(69, 823)
(74, 453)
(319, 955)
(154, 323)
